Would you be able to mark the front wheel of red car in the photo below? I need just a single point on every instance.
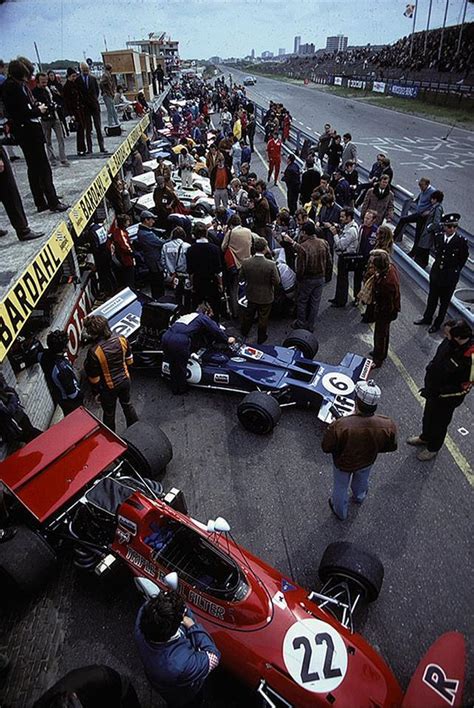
(259, 413)
(27, 563)
(149, 449)
(345, 561)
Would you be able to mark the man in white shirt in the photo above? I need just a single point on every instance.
(346, 242)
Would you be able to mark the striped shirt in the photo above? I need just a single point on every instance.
(107, 362)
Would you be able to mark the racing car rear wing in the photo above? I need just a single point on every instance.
(51, 470)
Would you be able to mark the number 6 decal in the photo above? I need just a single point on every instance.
(315, 655)
(338, 383)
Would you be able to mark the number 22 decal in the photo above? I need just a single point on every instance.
(315, 655)
(328, 671)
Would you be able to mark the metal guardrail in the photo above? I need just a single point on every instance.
(402, 201)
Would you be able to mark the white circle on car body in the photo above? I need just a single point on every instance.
(338, 383)
(315, 655)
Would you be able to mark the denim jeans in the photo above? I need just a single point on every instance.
(359, 482)
(112, 117)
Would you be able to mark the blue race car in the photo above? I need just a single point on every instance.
(270, 377)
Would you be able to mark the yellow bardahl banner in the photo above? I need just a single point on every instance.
(118, 158)
(83, 209)
(20, 301)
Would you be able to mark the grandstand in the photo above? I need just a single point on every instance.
(393, 61)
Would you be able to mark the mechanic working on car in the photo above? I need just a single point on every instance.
(178, 339)
(355, 441)
(106, 366)
(177, 652)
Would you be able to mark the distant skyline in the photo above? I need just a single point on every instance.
(70, 29)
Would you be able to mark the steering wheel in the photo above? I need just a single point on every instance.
(235, 347)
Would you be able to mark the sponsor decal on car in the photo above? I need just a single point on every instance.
(127, 325)
(252, 353)
(338, 383)
(127, 524)
(141, 562)
(204, 604)
(221, 378)
(366, 369)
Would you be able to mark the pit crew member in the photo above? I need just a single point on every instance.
(178, 342)
(177, 652)
(355, 441)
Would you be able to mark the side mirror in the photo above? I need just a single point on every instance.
(171, 580)
(220, 525)
(147, 588)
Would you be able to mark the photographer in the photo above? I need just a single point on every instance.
(50, 120)
(24, 113)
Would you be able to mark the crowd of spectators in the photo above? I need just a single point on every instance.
(200, 253)
(377, 62)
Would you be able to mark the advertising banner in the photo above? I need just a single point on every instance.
(82, 210)
(21, 300)
(338, 81)
(404, 91)
(378, 86)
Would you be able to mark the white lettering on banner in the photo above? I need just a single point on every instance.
(353, 83)
(338, 81)
(82, 308)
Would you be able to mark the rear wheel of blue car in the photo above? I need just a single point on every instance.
(303, 341)
(259, 413)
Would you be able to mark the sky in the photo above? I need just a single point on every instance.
(72, 29)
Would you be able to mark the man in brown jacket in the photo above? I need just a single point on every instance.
(355, 441)
(380, 200)
(108, 88)
(260, 275)
(313, 269)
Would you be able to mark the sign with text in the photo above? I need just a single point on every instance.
(83, 306)
(378, 86)
(82, 211)
(21, 300)
(404, 91)
(338, 81)
(354, 83)
(119, 157)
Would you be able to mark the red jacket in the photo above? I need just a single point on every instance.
(274, 149)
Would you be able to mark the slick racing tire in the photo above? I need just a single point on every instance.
(304, 341)
(149, 449)
(27, 563)
(345, 561)
(259, 413)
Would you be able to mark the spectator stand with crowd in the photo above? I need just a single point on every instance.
(406, 58)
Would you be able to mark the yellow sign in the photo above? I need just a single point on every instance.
(19, 302)
(82, 211)
(119, 157)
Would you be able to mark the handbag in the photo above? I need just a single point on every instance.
(73, 125)
(352, 261)
(366, 294)
(229, 258)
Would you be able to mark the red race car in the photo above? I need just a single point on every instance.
(80, 486)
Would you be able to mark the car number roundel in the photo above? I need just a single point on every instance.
(315, 655)
(338, 383)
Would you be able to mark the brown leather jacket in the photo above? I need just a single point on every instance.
(356, 440)
(314, 258)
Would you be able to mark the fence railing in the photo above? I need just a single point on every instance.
(463, 299)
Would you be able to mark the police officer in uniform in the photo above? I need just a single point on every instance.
(449, 378)
(451, 253)
(178, 341)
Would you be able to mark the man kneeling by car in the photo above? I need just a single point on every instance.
(177, 652)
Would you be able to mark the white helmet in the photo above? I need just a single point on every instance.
(368, 392)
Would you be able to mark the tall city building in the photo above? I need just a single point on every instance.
(296, 48)
(281, 51)
(336, 44)
(252, 53)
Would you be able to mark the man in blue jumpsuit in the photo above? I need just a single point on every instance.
(177, 343)
(177, 653)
